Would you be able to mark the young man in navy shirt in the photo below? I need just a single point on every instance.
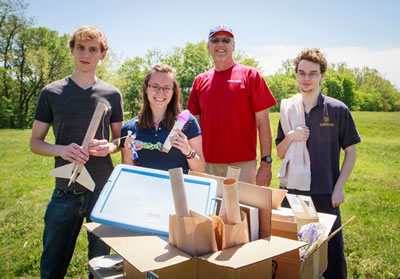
(329, 127)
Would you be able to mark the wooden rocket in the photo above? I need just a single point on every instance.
(78, 172)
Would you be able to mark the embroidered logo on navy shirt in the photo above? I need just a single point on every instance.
(326, 122)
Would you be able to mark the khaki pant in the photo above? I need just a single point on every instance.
(248, 170)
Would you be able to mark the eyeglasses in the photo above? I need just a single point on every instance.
(157, 88)
(303, 75)
(224, 40)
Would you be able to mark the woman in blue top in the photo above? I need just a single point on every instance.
(160, 110)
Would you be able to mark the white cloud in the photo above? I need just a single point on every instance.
(386, 61)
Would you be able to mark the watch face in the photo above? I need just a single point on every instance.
(267, 159)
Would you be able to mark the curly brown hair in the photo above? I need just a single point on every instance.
(88, 32)
(313, 55)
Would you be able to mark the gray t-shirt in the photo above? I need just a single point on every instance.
(69, 109)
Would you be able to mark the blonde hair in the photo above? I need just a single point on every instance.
(88, 32)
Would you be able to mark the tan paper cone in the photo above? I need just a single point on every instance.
(231, 197)
(178, 192)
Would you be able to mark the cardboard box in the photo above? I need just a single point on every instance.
(286, 223)
(143, 254)
(290, 265)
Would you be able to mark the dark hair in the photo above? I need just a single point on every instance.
(313, 55)
(174, 107)
(88, 32)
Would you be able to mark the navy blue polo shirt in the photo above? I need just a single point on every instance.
(154, 158)
(332, 128)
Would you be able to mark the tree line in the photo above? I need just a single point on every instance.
(32, 57)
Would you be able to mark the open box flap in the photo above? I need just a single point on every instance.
(145, 252)
(148, 253)
(340, 228)
(277, 197)
(252, 252)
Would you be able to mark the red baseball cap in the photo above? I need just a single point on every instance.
(220, 28)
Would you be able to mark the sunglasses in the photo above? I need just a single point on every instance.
(224, 40)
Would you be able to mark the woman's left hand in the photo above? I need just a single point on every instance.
(181, 142)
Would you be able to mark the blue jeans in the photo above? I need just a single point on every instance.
(63, 221)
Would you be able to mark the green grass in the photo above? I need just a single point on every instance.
(372, 240)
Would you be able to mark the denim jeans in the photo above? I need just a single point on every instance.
(63, 220)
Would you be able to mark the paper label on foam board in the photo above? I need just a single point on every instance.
(309, 205)
(294, 203)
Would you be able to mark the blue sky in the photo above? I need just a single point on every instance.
(360, 33)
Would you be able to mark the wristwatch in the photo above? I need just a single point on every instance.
(267, 159)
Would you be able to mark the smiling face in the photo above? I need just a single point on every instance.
(222, 53)
(160, 90)
(309, 77)
(87, 54)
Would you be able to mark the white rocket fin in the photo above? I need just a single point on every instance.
(85, 179)
(63, 171)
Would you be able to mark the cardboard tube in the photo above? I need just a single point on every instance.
(233, 172)
(178, 192)
(231, 196)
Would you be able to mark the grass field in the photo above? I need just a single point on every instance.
(372, 240)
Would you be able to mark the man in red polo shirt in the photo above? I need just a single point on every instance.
(231, 103)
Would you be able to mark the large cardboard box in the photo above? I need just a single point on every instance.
(286, 223)
(153, 256)
(145, 254)
(290, 265)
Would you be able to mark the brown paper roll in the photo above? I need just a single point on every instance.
(178, 192)
(233, 172)
(231, 197)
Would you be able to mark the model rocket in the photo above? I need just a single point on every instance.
(78, 172)
(183, 117)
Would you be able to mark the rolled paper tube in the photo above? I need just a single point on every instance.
(178, 192)
(183, 117)
(233, 172)
(231, 196)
